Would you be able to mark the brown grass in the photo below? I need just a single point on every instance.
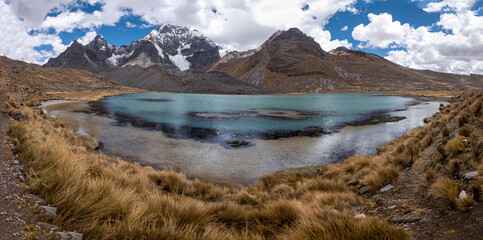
(445, 192)
(106, 198)
(455, 145)
(381, 177)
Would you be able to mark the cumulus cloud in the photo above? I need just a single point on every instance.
(245, 24)
(381, 31)
(130, 25)
(450, 5)
(458, 49)
(344, 28)
(235, 25)
(16, 43)
(87, 38)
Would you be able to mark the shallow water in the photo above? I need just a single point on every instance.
(190, 132)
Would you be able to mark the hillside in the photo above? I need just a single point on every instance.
(23, 80)
(157, 78)
(180, 59)
(411, 187)
(290, 61)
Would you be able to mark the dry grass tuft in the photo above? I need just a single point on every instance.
(106, 198)
(380, 177)
(455, 145)
(326, 224)
(445, 193)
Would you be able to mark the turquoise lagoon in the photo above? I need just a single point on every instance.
(192, 133)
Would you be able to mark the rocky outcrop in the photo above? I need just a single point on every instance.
(290, 61)
(172, 47)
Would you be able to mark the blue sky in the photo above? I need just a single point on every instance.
(401, 10)
(409, 32)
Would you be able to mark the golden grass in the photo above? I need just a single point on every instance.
(322, 223)
(106, 198)
(455, 145)
(381, 177)
(445, 192)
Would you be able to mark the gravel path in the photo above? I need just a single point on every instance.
(10, 212)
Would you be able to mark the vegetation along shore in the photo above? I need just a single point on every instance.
(426, 184)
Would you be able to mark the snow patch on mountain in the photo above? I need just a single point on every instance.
(160, 51)
(180, 61)
(114, 59)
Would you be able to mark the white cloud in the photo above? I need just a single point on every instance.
(458, 50)
(344, 28)
(380, 32)
(87, 38)
(16, 43)
(130, 25)
(245, 24)
(450, 5)
(236, 25)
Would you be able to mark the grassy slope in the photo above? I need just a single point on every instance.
(104, 197)
(107, 198)
(29, 83)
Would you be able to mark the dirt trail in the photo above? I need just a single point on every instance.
(10, 191)
(408, 201)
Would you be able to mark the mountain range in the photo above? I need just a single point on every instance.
(180, 59)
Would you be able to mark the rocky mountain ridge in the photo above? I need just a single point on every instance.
(290, 61)
(175, 48)
(287, 62)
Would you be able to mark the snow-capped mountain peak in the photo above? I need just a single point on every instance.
(181, 44)
(176, 48)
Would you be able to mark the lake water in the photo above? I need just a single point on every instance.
(234, 139)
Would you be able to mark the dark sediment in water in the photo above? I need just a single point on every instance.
(234, 139)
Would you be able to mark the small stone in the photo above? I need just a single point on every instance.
(335, 210)
(376, 196)
(386, 188)
(360, 216)
(463, 195)
(21, 178)
(406, 169)
(471, 175)
(49, 226)
(63, 235)
(75, 235)
(17, 115)
(363, 191)
(90, 142)
(49, 211)
(382, 201)
(392, 207)
(15, 162)
(399, 219)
